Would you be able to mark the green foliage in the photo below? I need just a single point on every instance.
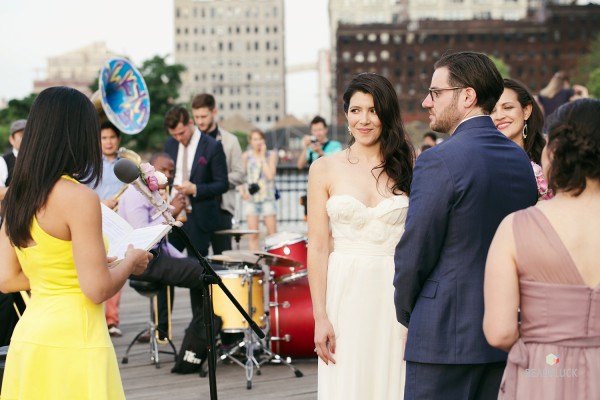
(503, 68)
(588, 63)
(594, 83)
(17, 109)
(242, 138)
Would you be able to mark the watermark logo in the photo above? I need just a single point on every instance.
(552, 371)
(552, 359)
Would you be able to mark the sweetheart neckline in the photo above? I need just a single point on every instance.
(363, 204)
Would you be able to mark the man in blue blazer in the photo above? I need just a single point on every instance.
(201, 174)
(460, 192)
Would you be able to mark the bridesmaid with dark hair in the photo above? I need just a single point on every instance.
(543, 262)
(51, 243)
(518, 116)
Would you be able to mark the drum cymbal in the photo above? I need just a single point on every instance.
(237, 232)
(275, 259)
(244, 255)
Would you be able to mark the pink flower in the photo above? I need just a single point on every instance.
(544, 193)
(202, 160)
(152, 183)
(147, 169)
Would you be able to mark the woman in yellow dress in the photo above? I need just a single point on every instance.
(51, 243)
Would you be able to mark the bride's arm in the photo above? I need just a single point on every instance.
(318, 254)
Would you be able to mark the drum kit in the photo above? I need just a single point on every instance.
(272, 286)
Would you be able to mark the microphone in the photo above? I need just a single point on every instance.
(128, 172)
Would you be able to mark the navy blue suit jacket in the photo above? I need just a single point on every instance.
(461, 191)
(209, 174)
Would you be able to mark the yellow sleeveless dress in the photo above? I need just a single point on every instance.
(60, 348)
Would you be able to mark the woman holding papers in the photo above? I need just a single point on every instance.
(51, 243)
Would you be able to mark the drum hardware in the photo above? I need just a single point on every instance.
(275, 259)
(226, 262)
(237, 234)
(245, 255)
(250, 279)
(290, 245)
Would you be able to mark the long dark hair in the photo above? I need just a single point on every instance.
(574, 145)
(398, 154)
(62, 137)
(534, 142)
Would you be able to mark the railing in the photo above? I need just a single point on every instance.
(291, 184)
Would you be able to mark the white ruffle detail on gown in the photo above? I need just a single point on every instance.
(360, 301)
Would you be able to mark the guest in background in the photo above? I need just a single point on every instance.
(519, 117)
(11, 304)
(430, 139)
(317, 144)
(200, 174)
(110, 139)
(109, 186)
(259, 192)
(204, 111)
(170, 267)
(51, 242)
(558, 91)
(542, 275)
(7, 161)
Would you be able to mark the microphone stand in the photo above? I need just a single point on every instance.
(210, 278)
(128, 172)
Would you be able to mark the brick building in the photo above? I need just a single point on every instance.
(405, 52)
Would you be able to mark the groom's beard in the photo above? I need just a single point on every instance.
(447, 119)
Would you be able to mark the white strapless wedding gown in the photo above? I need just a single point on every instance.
(360, 301)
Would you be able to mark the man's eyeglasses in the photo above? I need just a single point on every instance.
(436, 90)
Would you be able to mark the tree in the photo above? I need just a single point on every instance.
(593, 84)
(588, 63)
(503, 68)
(17, 109)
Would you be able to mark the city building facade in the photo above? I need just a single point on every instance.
(77, 69)
(233, 49)
(406, 52)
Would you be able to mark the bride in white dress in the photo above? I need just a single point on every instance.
(357, 204)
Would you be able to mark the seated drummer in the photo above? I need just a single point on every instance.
(170, 266)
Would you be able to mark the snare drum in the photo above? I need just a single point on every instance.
(222, 262)
(238, 283)
(291, 317)
(290, 245)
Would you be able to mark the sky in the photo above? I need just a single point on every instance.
(33, 30)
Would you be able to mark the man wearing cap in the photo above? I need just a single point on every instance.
(11, 304)
(7, 161)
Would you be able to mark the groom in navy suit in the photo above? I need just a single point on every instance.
(460, 192)
(200, 173)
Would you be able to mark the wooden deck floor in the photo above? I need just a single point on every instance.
(142, 380)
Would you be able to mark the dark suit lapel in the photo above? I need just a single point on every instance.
(200, 153)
